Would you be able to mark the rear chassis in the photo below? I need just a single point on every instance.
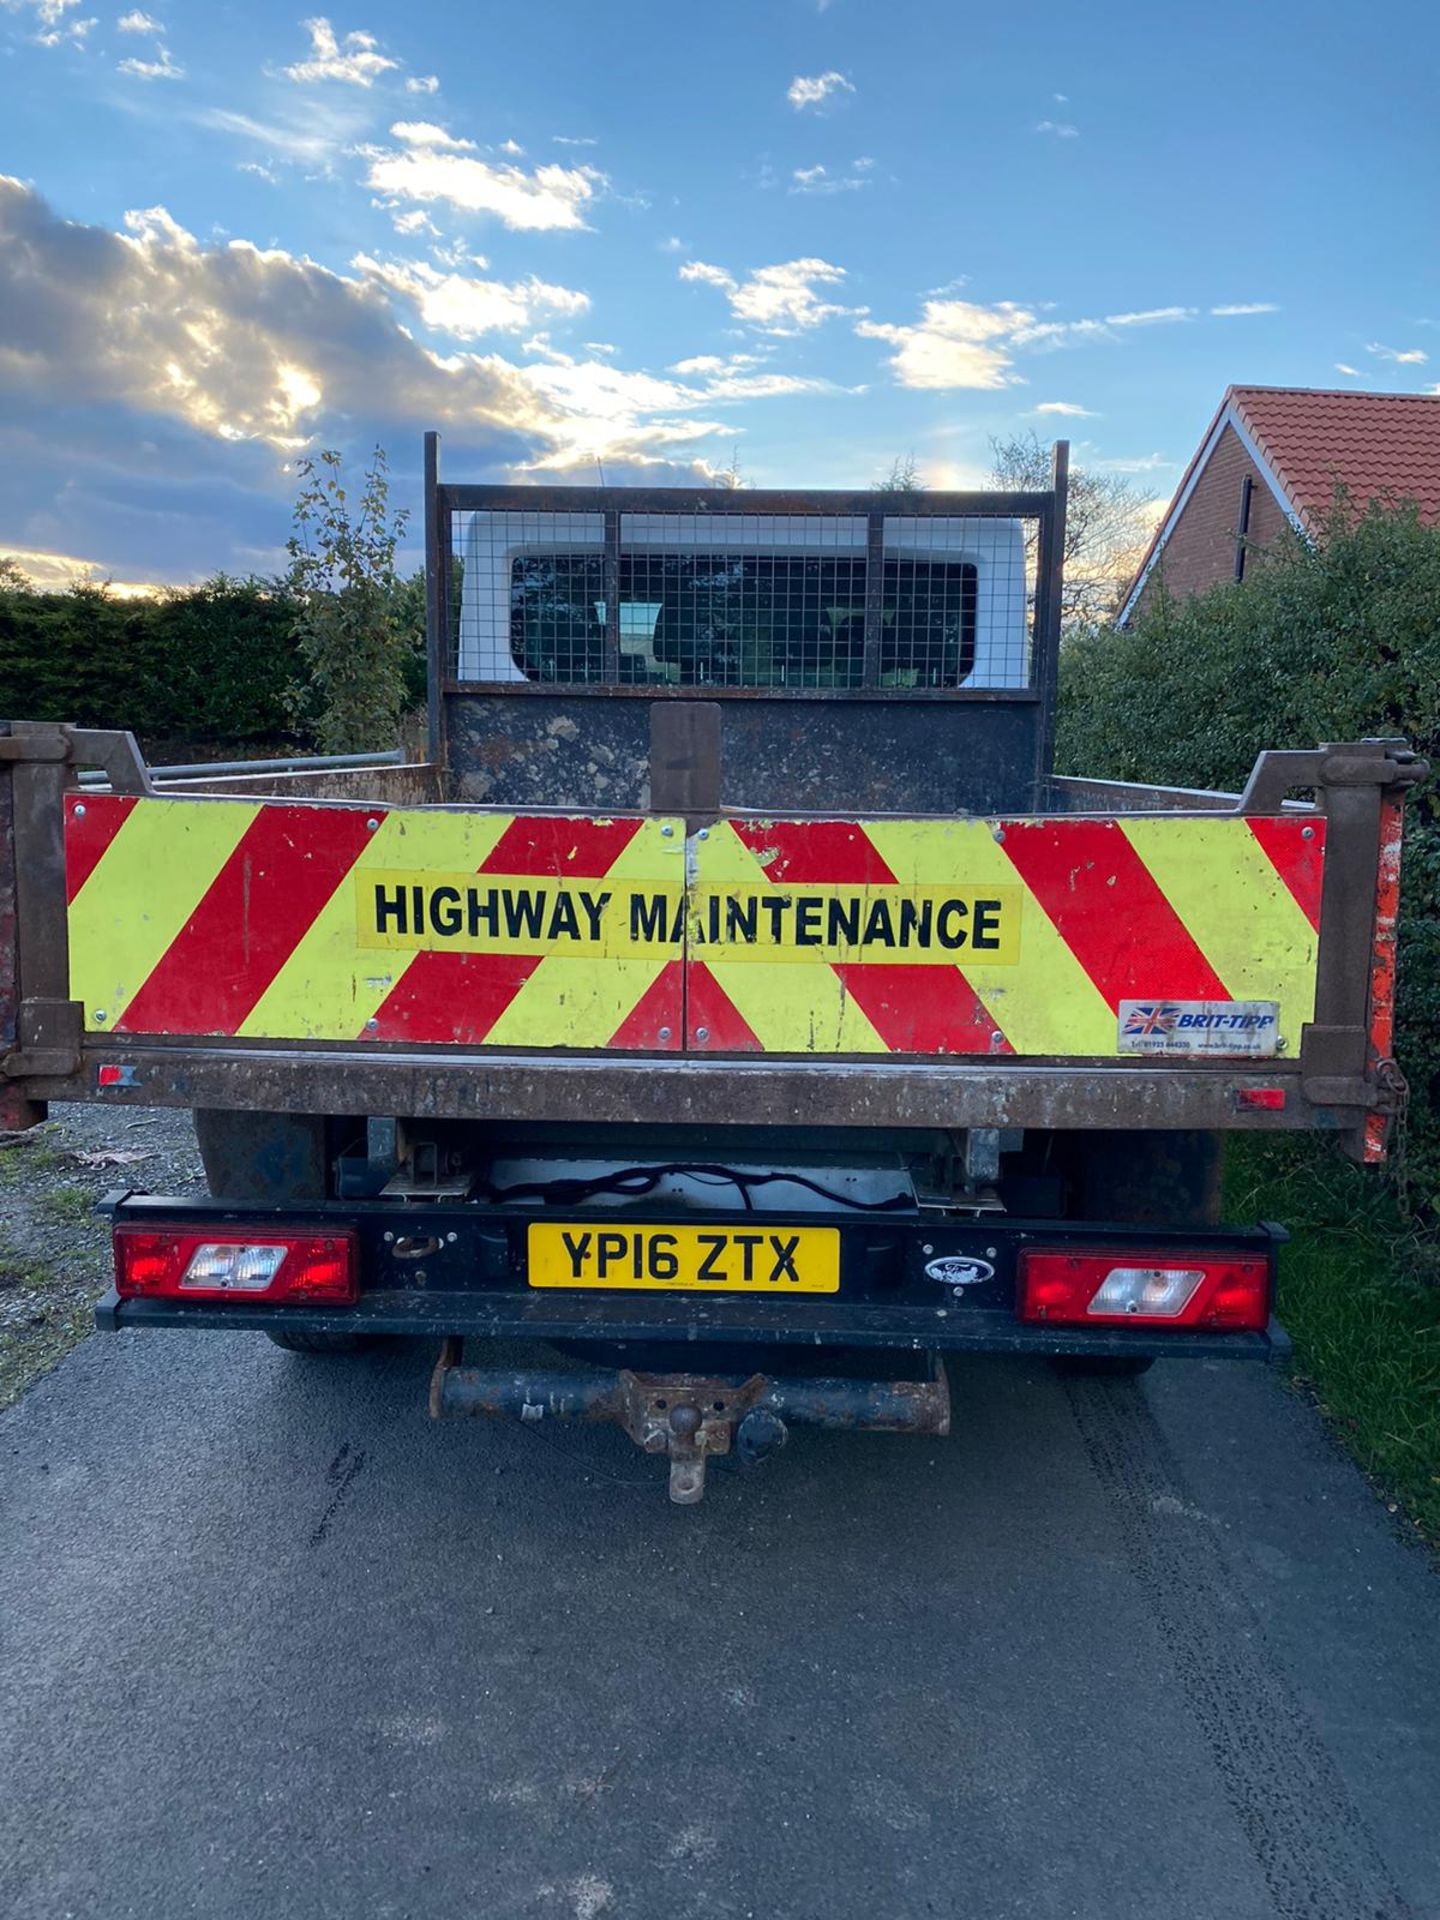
(692, 1375)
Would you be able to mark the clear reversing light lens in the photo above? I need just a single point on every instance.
(237, 1269)
(1147, 1290)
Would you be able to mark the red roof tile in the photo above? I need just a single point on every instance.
(1376, 445)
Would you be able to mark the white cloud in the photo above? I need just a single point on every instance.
(162, 67)
(674, 244)
(311, 141)
(353, 60)
(136, 22)
(417, 221)
(570, 140)
(955, 343)
(1407, 357)
(1243, 307)
(423, 83)
(240, 344)
(52, 27)
(781, 299)
(1353, 372)
(1144, 463)
(1058, 129)
(821, 180)
(512, 147)
(700, 363)
(424, 133)
(817, 89)
(451, 303)
(552, 198)
(1066, 407)
(1149, 317)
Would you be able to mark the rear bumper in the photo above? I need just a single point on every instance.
(712, 1321)
(470, 1284)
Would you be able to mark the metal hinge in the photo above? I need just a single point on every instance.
(49, 1047)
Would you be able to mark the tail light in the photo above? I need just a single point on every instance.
(1126, 1288)
(179, 1264)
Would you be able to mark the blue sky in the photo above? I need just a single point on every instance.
(808, 235)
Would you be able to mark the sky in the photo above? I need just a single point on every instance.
(796, 239)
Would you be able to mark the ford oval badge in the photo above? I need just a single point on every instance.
(955, 1270)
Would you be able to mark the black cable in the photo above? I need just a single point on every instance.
(643, 1180)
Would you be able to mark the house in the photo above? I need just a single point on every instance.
(1273, 457)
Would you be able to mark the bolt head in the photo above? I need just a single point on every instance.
(664, 1033)
(704, 834)
(1307, 833)
(999, 833)
(80, 811)
(99, 1016)
(371, 825)
(702, 1033)
(371, 1024)
(667, 833)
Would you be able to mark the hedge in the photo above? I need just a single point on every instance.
(1333, 639)
(217, 665)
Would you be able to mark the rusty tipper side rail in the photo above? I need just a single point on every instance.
(224, 1037)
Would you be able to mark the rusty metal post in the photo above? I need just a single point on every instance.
(15, 1110)
(436, 606)
(1049, 589)
(685, 759)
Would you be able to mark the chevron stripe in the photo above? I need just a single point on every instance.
(439, 926)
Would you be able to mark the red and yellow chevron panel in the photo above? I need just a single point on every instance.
(995, 936)
(270, 921)
(1048, 938)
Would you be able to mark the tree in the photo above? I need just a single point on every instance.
(1331, 638)
(347, 594)
(13, 577)
(1107, 524)
(903, 477)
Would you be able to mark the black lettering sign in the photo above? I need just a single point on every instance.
(987, 925)
(946, 931)
(915, 923)
(390, 905)
(445, 911)
(577, 1245)
(647, 916)
(808, 909)
(708, 1268)
(784, 1251)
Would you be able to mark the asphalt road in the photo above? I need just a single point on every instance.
(274, 1644)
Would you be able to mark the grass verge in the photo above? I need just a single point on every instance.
(1360, 1297)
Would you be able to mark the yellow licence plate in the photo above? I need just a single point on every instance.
(748, 1259)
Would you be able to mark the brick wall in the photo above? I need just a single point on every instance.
(1201, 549)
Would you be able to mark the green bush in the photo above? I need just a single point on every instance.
(214, 663)
(196, 670)
(1331, 640)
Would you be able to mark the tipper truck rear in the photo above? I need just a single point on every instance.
(735, 1009)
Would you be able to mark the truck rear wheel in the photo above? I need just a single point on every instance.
(329, 1343)
(1098, 1366)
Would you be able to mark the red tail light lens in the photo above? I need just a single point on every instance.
(1129, 1287)
(178, 1264)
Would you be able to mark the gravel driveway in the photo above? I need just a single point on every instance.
(54, 1253)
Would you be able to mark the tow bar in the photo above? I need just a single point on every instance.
(692, 1416)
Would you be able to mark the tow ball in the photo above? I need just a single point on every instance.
(693, 1417)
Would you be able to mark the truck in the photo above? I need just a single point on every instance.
(734, 1014)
